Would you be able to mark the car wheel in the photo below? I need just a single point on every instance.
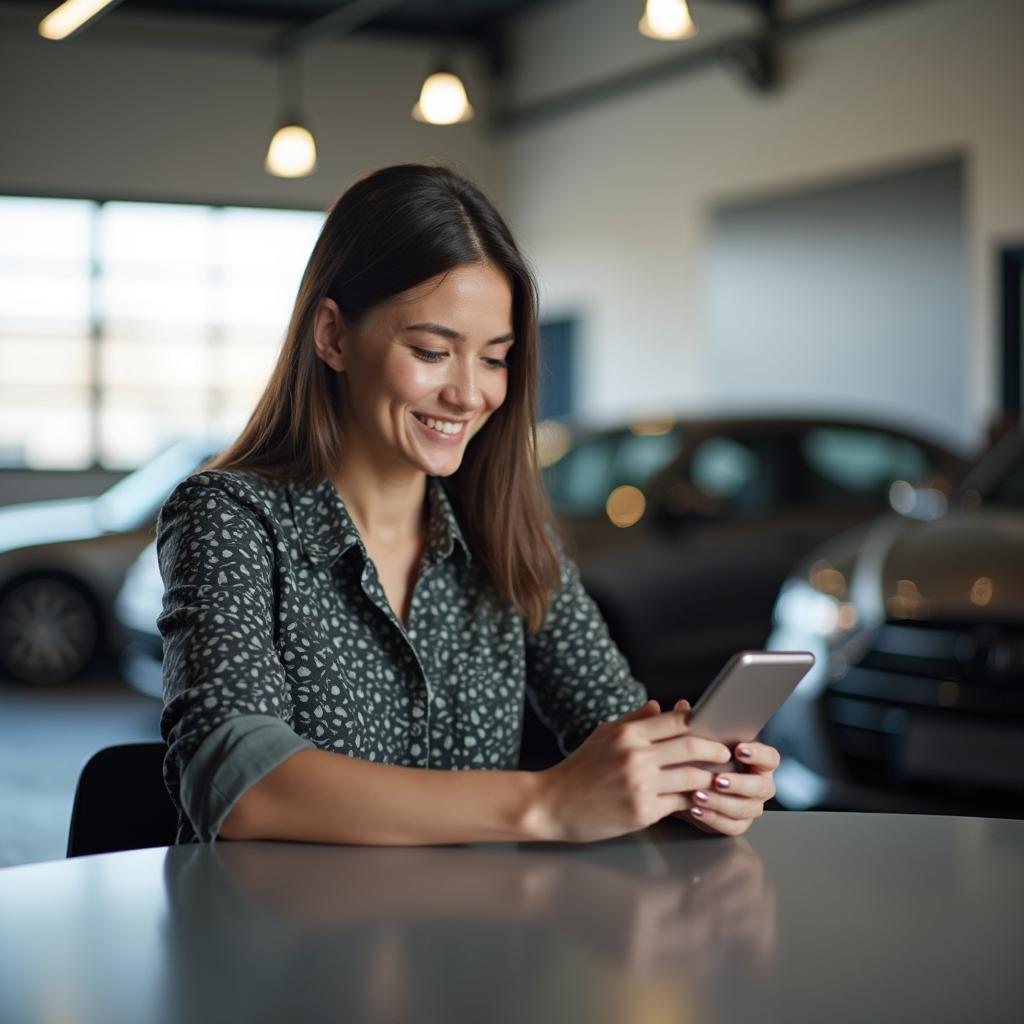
(49, 630)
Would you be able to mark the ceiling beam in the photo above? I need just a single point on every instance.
(340, 22)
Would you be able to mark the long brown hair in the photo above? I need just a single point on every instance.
(394, 229)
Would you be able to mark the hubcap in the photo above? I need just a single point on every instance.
(47, 632)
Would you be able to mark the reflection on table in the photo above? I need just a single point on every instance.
(842, 917)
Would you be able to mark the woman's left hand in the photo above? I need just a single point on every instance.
(734, 799)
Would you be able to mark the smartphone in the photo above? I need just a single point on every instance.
(744, 695)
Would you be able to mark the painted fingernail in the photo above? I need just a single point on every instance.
(701, 796)
(696, 812)
(744, 751)
(722, 782)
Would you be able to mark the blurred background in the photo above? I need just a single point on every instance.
(780, 246)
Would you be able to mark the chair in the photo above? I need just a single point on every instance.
(121, 802)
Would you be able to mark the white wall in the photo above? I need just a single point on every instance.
(613, 203)
(142, 107)
(845, 299)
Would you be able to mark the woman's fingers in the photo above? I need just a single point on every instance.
(715, 821)
(760, 786)
(681, 749)
(683, 779)
(738, 807)
(759, 757)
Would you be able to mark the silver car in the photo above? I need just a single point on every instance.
(916, 702)
(62, 563)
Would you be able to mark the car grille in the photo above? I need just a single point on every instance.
(933, 706)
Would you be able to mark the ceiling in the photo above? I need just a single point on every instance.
(468, 20)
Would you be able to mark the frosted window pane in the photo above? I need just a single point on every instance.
(155, 365)
(271, 239)
(156, 236)
(46, 428)
(243, 367)
(168, 302)
(44, 302)
(136, 425)
(44, 229)
(66, 363)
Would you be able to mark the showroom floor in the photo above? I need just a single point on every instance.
(46, 736)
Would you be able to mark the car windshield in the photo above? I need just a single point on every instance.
(134, 500)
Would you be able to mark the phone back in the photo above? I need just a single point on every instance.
(746, 693)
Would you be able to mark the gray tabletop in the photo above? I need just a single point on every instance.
(810, 917)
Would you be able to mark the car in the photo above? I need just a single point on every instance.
(63, 561)
(687, 573)
(916, 702)
(685, 528)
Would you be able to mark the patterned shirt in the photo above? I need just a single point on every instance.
(278, 636)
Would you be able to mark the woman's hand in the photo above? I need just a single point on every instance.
(626, 775)
(732, 800)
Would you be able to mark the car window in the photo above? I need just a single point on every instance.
(847, 463)
(580, 482)
(640, 456)
(740, 472)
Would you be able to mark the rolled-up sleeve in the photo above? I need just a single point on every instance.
(227, 707)
(576, 676)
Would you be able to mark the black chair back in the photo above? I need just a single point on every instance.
(121, 802)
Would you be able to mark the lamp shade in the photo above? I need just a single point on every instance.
(667, 19)
(292, 151)
(443, 100)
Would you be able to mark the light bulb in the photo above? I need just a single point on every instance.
(443, 100)
(292, 152)
(667, 19)
(69, 17)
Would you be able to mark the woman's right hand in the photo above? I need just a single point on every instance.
(626, 775)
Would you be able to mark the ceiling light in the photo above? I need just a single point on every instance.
(71, 16)
(443, 99)
(292, 150)
(667, 19)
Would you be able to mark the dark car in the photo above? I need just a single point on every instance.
(62, 562)
(685, 529)
(917, 620)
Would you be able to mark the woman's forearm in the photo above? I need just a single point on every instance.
(317, 796)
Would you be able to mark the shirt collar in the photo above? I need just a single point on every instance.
(326, 529)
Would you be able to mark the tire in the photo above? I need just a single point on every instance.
(49, 630)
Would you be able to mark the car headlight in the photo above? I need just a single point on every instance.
(802, 608)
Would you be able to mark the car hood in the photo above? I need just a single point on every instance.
(964, 566)
(47, 522)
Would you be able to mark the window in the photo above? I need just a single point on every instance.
(125, 325)
(848, 463)
(743, 473)
(580, 482)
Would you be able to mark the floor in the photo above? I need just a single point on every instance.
(46, 736)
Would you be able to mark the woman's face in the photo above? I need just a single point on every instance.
(425, 370)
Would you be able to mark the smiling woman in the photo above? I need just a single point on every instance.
(329, 602)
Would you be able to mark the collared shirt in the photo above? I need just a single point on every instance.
(278, 636)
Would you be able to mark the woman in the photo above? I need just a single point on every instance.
(339, 625)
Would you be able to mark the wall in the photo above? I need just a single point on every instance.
(614, 203)
(846, 298)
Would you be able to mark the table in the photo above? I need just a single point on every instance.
(811, 916)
